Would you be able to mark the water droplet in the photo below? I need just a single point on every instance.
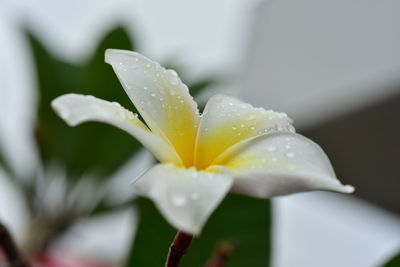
(234, 128)
(148, 65)
(271, 148)
(145, 88)
(194, 195)
(291, 167)
(153, 94)
(172, 92)
(65, 114)
(179, 199)
(242, 125)
(290, 154)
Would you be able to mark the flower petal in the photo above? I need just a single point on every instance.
(76, 109)
(227, 121)
(161, 98)
(185, 197)
(280, 164)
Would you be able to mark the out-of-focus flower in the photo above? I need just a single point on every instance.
(232, 146)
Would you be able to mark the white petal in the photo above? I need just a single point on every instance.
(76, 109)
(185, 197)
(280, 164)
(160, 97)
(227, 121)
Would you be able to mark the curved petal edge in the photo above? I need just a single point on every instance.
(185, 197)
(280, 164)
(75, 109)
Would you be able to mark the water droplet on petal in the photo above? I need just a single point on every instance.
(65, 114)
(194, 195)
(271, 148)
(290, 154)
(153, 94)
(179, 199)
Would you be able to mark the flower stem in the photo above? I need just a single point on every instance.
(10, 249)
(178, 248)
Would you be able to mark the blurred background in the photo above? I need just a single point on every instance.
(333, 66)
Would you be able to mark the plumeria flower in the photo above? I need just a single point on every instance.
(231, 147)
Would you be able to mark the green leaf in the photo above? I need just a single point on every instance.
(243, 221)
(92, 146)
(394, 262)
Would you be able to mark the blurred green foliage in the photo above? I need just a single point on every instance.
(394, 262)
(242, 221)
(91, 146)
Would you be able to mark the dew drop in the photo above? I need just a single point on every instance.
(234, 128)
(194, 196)
(153, 94)
(179, 199)
(271, 148)
(147, 65)
(292, 167)
(65, 114)
(290, 154)
(145, 88)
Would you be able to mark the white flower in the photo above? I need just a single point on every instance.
(232, 146)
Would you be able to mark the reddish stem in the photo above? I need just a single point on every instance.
(10, 249)
(178, 248)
